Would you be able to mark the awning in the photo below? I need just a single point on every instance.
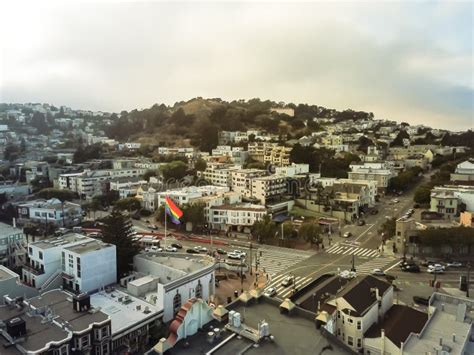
(280, 218)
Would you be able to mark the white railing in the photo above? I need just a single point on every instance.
(50, 280)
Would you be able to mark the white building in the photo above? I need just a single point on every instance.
(450, 193)
(265, 188)
(381, 173)
(84, 264)
(50, 211)
(185, 195)
(464, 172)
(237, 216)
(168, 280)
(12, 246)
(242, 180)
(219, 174)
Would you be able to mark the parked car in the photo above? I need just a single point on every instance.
(347, 235)
(153, 226)
(221, 251)
(177, 245)
(171, 249)
(454, 264)
(234, 256)
(378, 272)
(287, 281)
(421, 300)
(427, 262)
(155, 249)
(192, 251)
(270, 292)
(240, 252)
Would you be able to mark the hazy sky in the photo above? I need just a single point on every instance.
(408, 61)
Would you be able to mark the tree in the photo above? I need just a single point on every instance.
(89, 152)
(200, 165)
(423, 194)
(129, 204)
(388, 228)
(38, 121)
(12, 152)
(311, 232)
(148, 174)
(398, 141)
(289, 231)
(174, 170)
(194, 214)
(264, 229)
(63, 195)
(118, 230)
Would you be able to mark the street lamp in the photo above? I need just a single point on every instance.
(468, 282)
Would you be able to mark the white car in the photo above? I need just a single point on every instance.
(270, 292)
(234, 256)
(378, 272)
(155, 249)
(454, 264)
(435, 270)
(240, 252)
(171, 249)
(200, 249)
(436, 266)
(287, 281)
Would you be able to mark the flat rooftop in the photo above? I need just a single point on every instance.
(61, 303)
(6, 273)
(124, 310)
(284, 328)
(442, 325)
(182, 264)
(88, 246)
(62, 240)
(7, 230)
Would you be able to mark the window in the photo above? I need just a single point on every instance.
(176, 303)
(84, 341)
(105, 348)
(30, 251)
(350, 341)
(40, 254)
(350, 320)
(359, 342)
(105, 331)
(338, 314)
(199, 290)
(359, 325)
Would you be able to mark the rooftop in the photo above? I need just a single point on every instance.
(124, 310)
(72, 238)
(88, 246)
(241, 207)
(398, 323)
(453, 315)
(7, 230)
(6, 273)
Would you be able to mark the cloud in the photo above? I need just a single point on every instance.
(403, 61)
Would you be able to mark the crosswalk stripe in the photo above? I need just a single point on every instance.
(347, 251)
(359, 252)
(333, 248)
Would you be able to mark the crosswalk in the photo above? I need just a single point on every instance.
(347, 249)
(380, 262)
(284, 292)
(277, 260)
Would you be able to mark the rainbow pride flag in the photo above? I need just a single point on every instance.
(173, 211)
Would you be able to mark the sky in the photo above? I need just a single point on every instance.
(405, 61)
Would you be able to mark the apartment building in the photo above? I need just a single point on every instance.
(242, 180)
(126, 186)
(235, 216)
(187, 152)
(54, 211)
(381, 173)
(257, 150)
(226, 198)
(12, 246)
(443, 197)
(219, 174)
(277, 155)
(229, 137)
(92, 183)
(236, 155)
(265, 188)
(185, 195)
(444, 202)
(77, 262)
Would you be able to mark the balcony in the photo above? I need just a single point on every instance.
(33, 270)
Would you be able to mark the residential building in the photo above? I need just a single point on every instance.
(277, 155)
(12, 246)
(168, 280)
(219, 174)
(72, 261)
(185, 195)
(444, 202)
(242, 180)
(381, 173)
(187, 152)
(355, 308)
(266, 188)
(49, 211)
(238, 217)
(54, 323)
(464, 172)
(257, 150)
(449, 329)
(464, 194)
(126, 187)
(229, 137)
(226, 198)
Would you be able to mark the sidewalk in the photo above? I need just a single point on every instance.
(228, 287)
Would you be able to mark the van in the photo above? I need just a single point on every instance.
(77, 229)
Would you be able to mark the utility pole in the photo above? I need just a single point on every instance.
(241, 276)
(468, 282)
(250, 258)
(353, 264)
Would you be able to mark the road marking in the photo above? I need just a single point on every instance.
(362, 234)
(347, 251)
(391, 267)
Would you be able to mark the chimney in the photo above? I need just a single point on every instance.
(454, 337)
(441, 341)
(14, 222)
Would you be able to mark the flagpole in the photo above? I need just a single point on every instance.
(165, 228)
